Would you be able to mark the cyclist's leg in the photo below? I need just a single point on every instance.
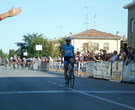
(65, 70)
(72, 63)
(72, 66)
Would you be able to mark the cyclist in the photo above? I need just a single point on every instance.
(14, 62)
(67, 51)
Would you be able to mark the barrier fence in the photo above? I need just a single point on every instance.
(114, 71)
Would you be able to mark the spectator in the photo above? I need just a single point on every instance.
(122, 55)
(50, 59)
(114, 57)
(101, 52)
(77, 56)
(129, 56)
(12, 12)
(125, 48)
(81, 57)
(105, 56)
(133, 53)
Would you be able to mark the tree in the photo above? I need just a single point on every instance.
(12, 53)
(31, 40)
(3, 55)
(20, 51)
(61, 43)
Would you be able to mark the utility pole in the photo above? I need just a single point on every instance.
(87, 17)
(95, 21)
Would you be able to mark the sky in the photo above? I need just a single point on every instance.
(57, 18)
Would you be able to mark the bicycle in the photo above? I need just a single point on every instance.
(70, 74)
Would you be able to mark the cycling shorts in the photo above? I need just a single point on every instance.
(67, 60)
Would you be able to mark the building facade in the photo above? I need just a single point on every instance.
(96, 40)
(131, 23)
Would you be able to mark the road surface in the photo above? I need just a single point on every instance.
(40, 90)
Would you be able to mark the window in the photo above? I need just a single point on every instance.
(85, 46)
(106, 46)
(96, 46)
(132, 25)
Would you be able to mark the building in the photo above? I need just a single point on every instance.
(131, 23)
(95, 40)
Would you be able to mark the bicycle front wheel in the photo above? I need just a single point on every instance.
(72, 79)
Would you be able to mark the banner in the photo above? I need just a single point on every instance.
(102, 70)
(117, 69)
(129, 72)
(133, 68)
(90, 68)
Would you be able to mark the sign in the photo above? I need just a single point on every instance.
(38, 47)
(25, 53)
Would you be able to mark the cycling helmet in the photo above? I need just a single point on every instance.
(68, 39)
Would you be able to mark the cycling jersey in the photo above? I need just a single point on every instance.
(68, 50)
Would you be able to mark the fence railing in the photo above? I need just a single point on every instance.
(114, 71)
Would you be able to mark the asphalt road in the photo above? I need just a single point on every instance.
(39, 90)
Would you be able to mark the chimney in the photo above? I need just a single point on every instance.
(124, 37)
(117, 32)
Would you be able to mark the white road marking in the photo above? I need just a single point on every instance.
(60, 85)
(76, 91)
(106, 100)
(34, 92)
(54, 83)
(103, 99)
(62, 91)
(110, 92)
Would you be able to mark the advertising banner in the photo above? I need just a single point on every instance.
(90, 68)
(102, 70)
(127, 72)
(117, 69)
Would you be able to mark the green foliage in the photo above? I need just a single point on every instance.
(12, 53)
(3, 55)
(29, 43)
(61, 43)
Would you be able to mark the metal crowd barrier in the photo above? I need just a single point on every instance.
(113, 71)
